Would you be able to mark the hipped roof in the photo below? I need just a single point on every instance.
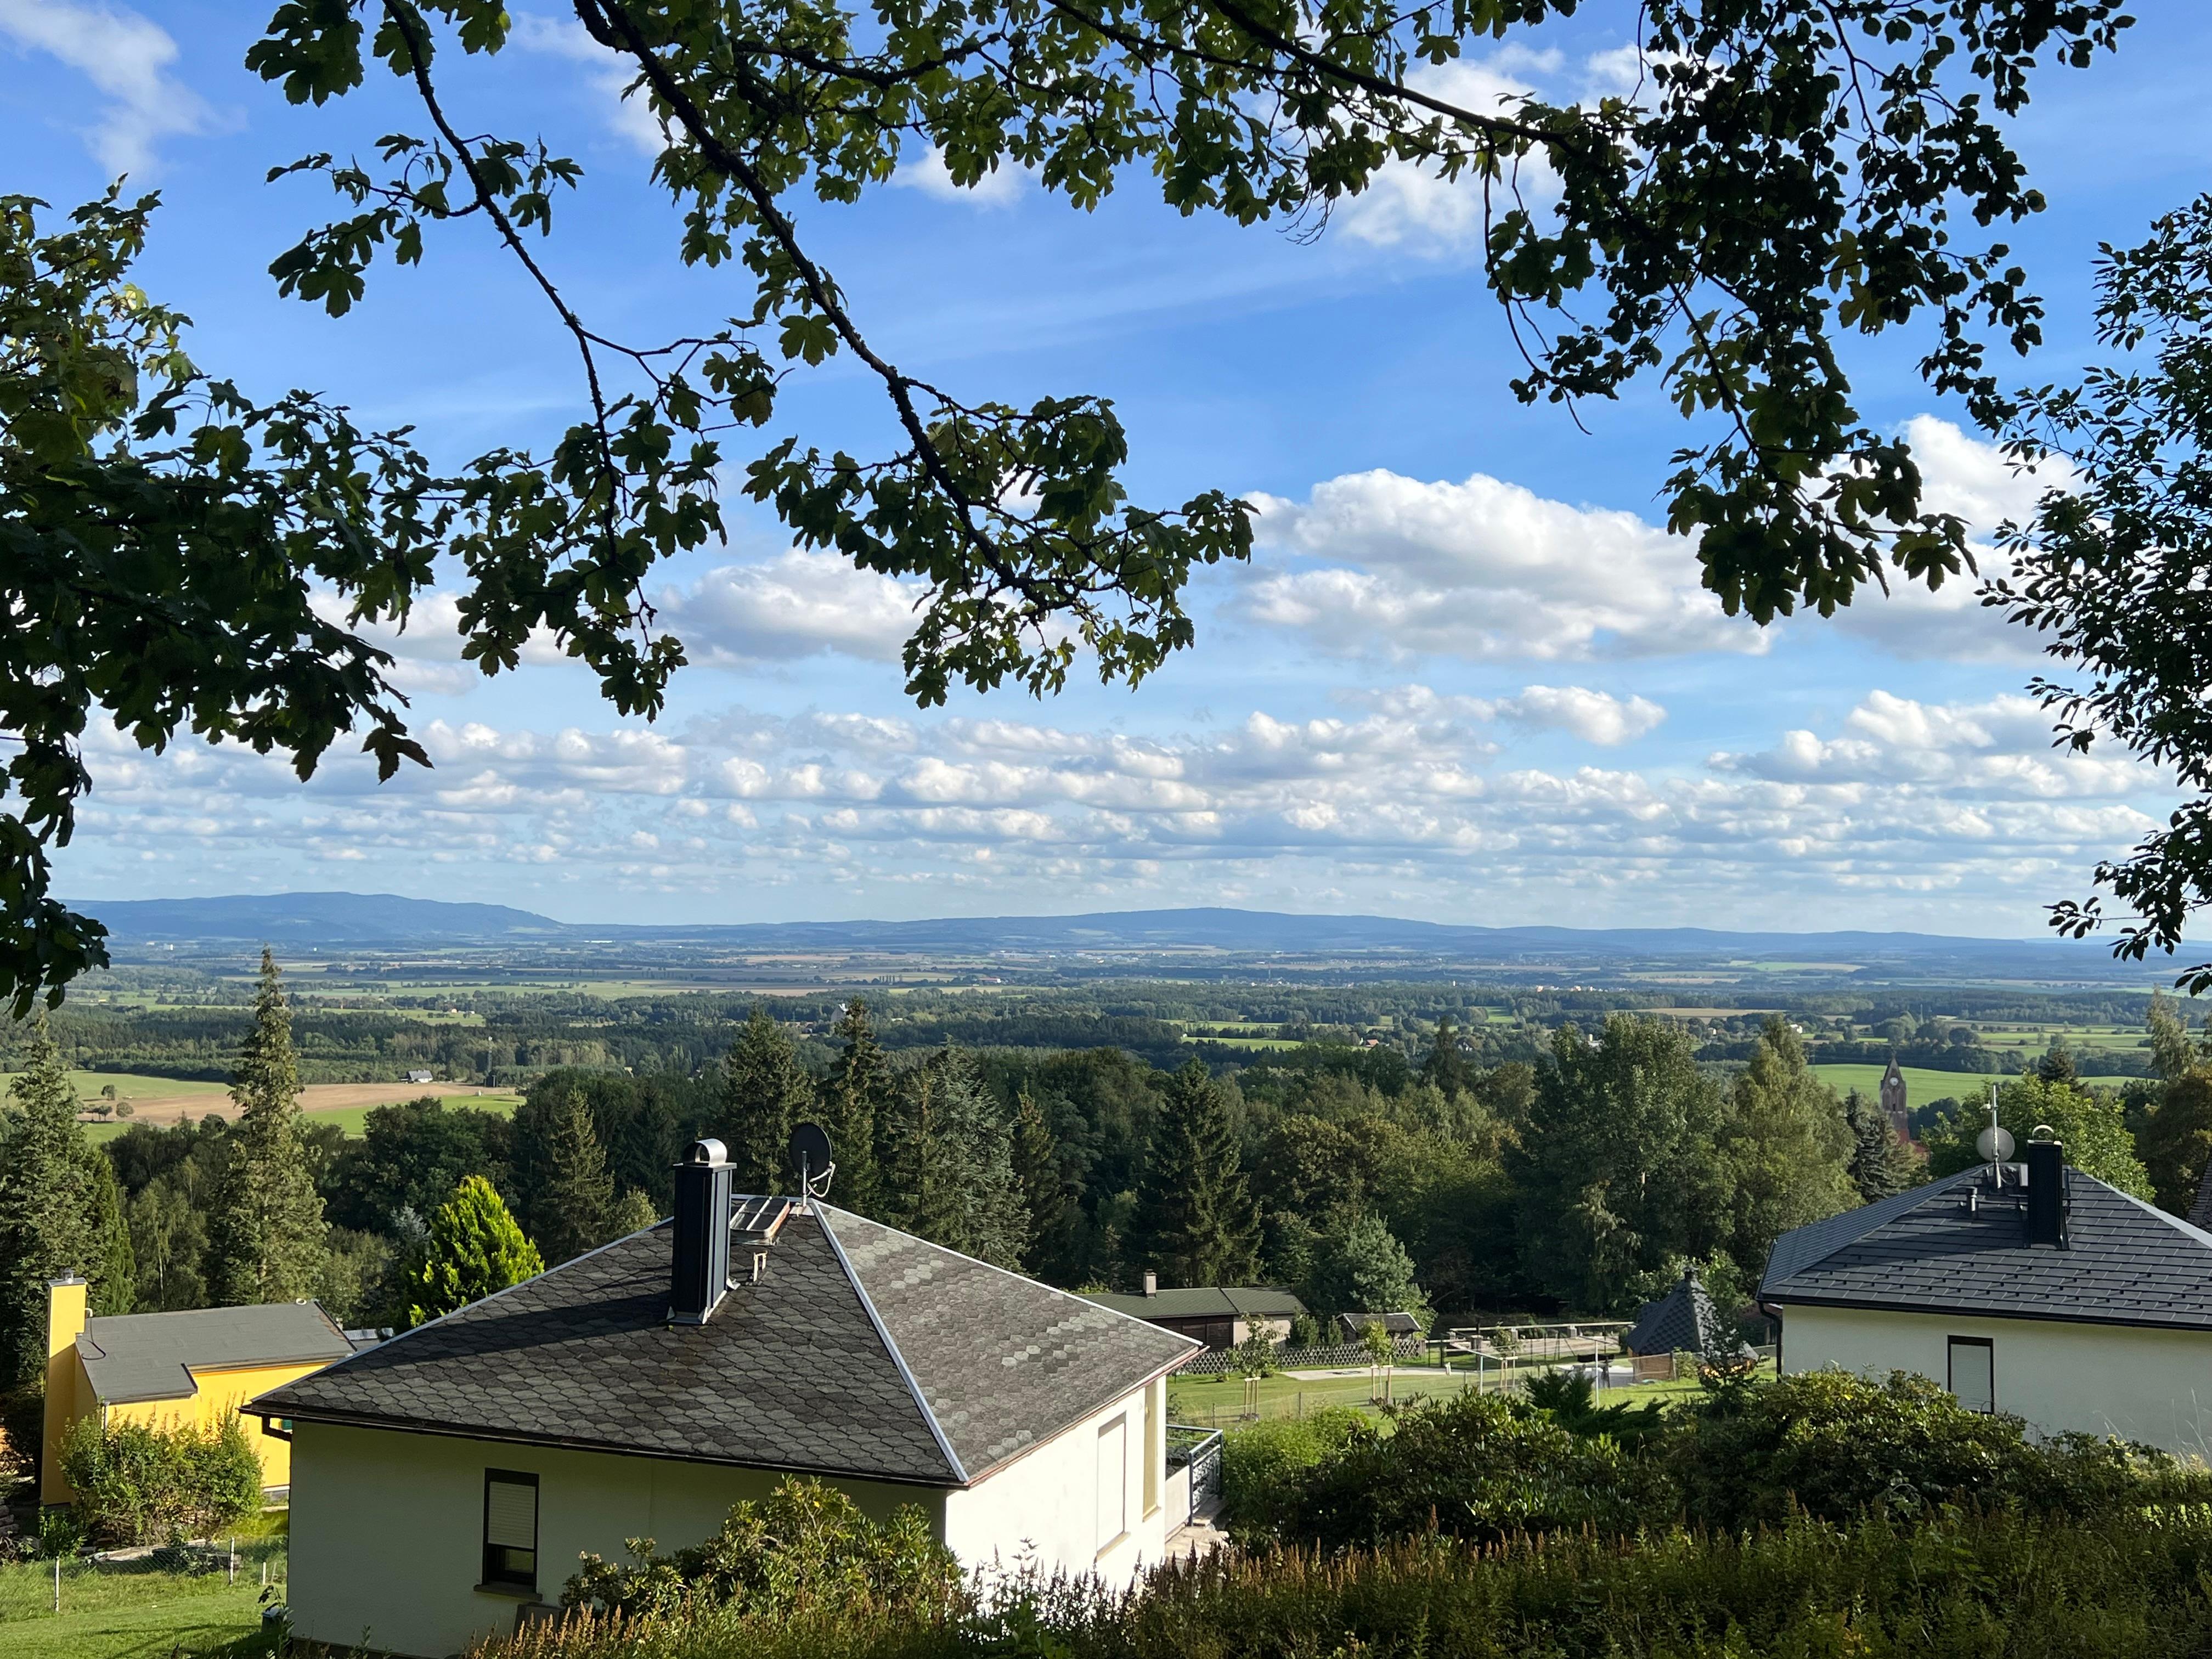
(861, 1350)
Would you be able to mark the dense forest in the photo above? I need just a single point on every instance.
(1457, 1173)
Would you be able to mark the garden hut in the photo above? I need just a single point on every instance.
(1684, 1321)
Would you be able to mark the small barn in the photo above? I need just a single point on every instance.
(1398, 1327)
(2031, 1288)
(444, 1482)
(195, 1367)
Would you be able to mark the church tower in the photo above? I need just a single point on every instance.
(1893, 1101)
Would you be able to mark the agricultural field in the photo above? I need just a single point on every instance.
(345, 1104)
(1922, 1085)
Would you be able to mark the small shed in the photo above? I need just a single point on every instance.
(1684, 1321)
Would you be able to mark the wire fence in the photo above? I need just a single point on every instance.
(84, 1584)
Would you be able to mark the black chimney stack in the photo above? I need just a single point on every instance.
(2047, 1190)
(700, 1275)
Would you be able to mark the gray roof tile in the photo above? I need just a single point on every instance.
(791, 1372)
(152, 1356)
(1925, 1251)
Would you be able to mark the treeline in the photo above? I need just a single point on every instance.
(1584, 1181)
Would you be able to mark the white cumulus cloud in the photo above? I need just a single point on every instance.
(129, 58)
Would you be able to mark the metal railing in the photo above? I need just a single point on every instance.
(1199, 1450)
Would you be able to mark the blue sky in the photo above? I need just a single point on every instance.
(1466, 677)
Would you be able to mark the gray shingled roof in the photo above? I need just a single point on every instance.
(1684, 1321)
(152, 1356)
(1206, 1302)
(1923, 1251)
(800, 1370)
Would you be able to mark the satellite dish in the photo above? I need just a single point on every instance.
(1994, 1144)
(809, 1158)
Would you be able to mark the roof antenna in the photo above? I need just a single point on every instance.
(809, 1159)
(1995, 1143)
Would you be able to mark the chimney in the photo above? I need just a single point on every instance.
(66, 1320)
(1151, 1283)
(699, 1275)
(2046, 1188)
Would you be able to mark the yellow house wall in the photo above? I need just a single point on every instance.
(387, 1528)
(221, 1394)
(2148, 1385)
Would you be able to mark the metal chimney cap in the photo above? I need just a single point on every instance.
(710, 1152)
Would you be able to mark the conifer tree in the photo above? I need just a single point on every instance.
(474, 1249)
(1047, 1196)
(1785, 1145)
(1195, 1222)
(633, 1213)
(579, 1200)
(951, 1168)
(266, 1234)
(110, 1262)
(1880, 1166)
(855, 1101)
(1446, 1068)
(764, 1092)
(45, 1205)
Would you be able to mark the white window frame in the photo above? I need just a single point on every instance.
(1118, 1429)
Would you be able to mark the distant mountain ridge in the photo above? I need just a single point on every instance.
(386, 918)
(329, 918)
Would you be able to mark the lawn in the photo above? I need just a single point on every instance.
(1221, 1404)
(134, 1616)
(1922, 1085)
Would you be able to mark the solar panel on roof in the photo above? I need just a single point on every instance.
(757, 1220)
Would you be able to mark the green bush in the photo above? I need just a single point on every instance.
(1836, 1446)
(1476, 1466)
(1262, 1465)
(141, 1485)
(803, 1549)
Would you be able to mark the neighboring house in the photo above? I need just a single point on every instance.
(1220, 1316)
(2052, 1296)
(1684, 1321)
(197, 1367)
(418, 1077)
(444, 1482)
(1399, 1326)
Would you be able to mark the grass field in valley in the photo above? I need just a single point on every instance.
(1922, 1086)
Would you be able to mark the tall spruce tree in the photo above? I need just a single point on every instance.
(854, 1100)
(764, 1092)
(951, 1168)
(1445, 1066)
(1195, 1221)
(474, 1248)
(1880, 1166)
(44, 1206)
(1786, 1147)
(1047, 1196)
(579, 1200)
(111, 1263)
(266, 1236)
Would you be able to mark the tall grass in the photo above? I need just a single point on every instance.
(2129, 1584)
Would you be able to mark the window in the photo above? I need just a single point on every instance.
(1112, 1481)
(510, 1529)
(1154, 1446)
(1974, 1372)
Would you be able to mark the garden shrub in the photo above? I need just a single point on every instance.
(141, 1484)
(1262, 1465)
(1838, 1445)
(803, 1549)
(1476, 1466)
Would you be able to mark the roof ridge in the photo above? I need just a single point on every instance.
(980, 1262)
(816, 1207)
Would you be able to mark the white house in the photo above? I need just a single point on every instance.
(443, 1483)
(2048, 1294)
